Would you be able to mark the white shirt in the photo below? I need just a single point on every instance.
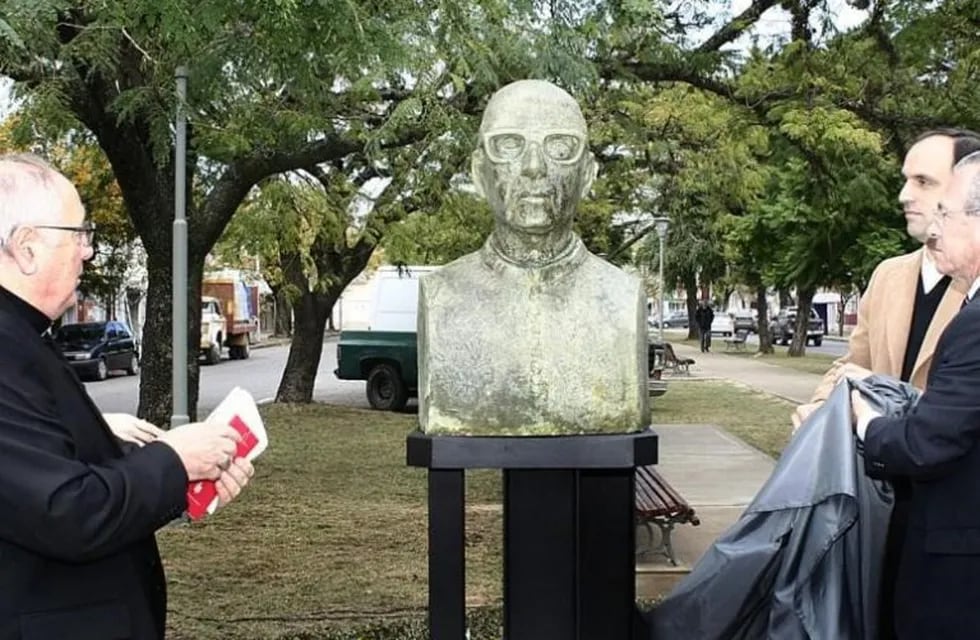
(973, 289)
(930, 274)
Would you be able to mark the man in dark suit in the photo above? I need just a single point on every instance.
(937, 445)
(78, 557)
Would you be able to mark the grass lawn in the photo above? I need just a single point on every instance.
(331, 534)
(332, 530)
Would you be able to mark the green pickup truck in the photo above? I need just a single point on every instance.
(388, 360)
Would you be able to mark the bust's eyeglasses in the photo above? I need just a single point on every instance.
(85, 233)
(561, 147)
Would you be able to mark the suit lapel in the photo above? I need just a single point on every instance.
(948, 307)
(897, 312)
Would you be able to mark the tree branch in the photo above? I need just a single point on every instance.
(241, 175)
(669, 72)
(738, 25)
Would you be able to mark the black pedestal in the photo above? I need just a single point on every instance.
(569, 563)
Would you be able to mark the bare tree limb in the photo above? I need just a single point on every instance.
(738, 25)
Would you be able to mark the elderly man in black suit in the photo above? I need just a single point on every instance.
(937, 445)
(78, 558)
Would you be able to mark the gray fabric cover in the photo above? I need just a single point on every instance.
(803, 560)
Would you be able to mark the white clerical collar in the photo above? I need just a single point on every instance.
(930, 274)
(573, 255)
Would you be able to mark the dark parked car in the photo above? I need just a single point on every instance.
(783, 325)
(95, 348)
(676, 320)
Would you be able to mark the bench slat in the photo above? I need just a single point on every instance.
(655, 497)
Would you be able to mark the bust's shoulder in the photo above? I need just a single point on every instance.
(460, 270)
(609, 273)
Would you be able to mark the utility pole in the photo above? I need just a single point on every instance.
(179, 302)
(661, 224)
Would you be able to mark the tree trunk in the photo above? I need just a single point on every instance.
(340, 265)
(845, 298)
(691, 295)
(133, 298)
(797, 349)
(284, 311)
(726, 296)
(299, 376)
(785, 299)
(762, 307)
(156, 378)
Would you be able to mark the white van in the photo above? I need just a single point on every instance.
(396, 298)
(387, 300)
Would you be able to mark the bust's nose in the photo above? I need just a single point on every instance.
(533, 163)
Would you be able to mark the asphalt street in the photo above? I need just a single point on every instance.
(260, 375)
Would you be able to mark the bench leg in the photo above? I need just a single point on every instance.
(665, 548)
(668, 547)
(644, 548)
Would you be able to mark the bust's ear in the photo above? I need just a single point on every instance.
(590, 170)
(477, 162)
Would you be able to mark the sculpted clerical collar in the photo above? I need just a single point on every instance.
(563, 262)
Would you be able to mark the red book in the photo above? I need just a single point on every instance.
(238, 410)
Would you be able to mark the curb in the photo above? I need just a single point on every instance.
(272, 342)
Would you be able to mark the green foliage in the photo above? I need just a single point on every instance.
(705, 154)
(458, 225)
(833, 192)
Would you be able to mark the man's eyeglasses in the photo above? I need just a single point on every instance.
(85, 233)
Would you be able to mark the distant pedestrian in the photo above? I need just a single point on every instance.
(703, 317)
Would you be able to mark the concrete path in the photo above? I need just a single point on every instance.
(717, 473)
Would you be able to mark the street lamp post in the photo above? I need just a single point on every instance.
(661, 224)
(180, 414)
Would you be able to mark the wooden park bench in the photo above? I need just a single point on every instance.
(675, 364)
(737, 341)
(658, 503)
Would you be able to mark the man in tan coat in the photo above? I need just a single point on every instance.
(882, 341)
(904, 310)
